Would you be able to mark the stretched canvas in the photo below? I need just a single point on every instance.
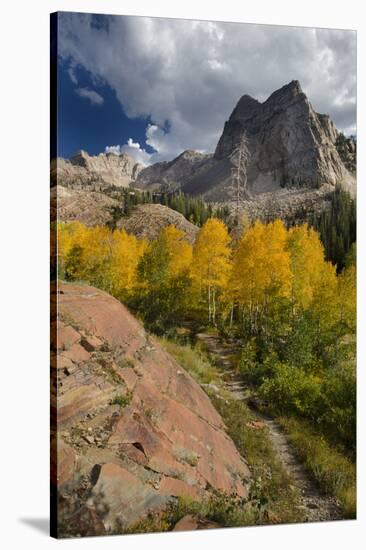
(203, 260)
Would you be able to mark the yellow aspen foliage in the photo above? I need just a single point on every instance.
(93, 255)
(102, 258)
(278, 262)
(262, 266)
(179, 251)
(307, 260)
(126, 253)
(67, 235)
(70, 236)
(211, 262)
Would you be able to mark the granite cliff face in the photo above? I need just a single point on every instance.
(290, 146)
(173, 174)
(289, 143)
(95, 172)
(134, 430)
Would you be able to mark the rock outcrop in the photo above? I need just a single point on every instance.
(134, 430)
(95, 172)
(147, 220)
(174, 174)
(290, 145)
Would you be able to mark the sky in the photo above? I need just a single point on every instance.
(153, 87)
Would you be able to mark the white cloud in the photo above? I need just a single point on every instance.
(135, 151)
(156, 138)
(92, 95)
(72, 75)
(188, 75)
(113, 149)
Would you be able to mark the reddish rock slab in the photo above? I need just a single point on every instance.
(125, 496)
(87, 522)
(76, 353)
(66, 336)
(65, 466)
(192, 523)
(129, 377)
(99, 314)
(167, 441)
(62, 362)
(177, 488)
(80, 400)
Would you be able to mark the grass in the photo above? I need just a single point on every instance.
(222, 509)
(334, 472)
(277, 500)
(194, 361)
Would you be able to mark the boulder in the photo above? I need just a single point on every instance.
(192, 523)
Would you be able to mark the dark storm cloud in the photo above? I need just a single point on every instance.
(190, 74)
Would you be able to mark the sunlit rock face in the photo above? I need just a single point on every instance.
(134, 430)
(98, 172)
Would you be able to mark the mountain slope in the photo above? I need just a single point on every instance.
(147, 220)
(175, 173)
(86, 206)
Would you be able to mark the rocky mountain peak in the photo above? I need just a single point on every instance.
(97, 171)
(244, 108)
(292, 89)
(289, 143)
(80, 158)
(189, 153)
(286, 96)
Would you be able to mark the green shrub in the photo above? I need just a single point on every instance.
(252, 369)
(122, 400)
(290, 389)
(247, 365)
(339, 404)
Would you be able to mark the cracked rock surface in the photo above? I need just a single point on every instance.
(134, 430)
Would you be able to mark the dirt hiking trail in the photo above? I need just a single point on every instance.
(316, 506)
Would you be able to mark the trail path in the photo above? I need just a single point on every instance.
(316, 506)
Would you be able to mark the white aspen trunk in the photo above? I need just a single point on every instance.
(231, 314)
(214, 306)
(209, 294)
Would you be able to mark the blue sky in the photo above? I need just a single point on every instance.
(88, 124)
(153, 87)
